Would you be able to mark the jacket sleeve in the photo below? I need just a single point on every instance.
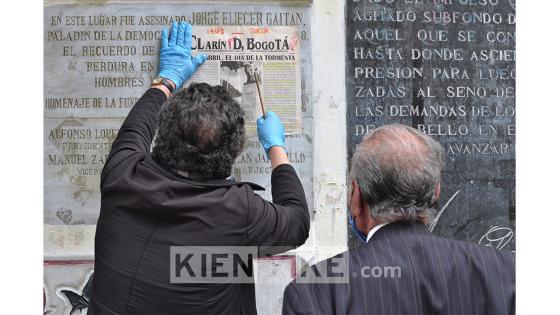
(137, 131)
(283, 222)
(292, 303)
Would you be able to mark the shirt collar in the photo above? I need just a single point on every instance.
(173, 175)
(375, 229)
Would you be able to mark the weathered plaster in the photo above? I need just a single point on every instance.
(329, 128)
(328, 236)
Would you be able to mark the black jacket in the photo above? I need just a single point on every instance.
(146, 208)
(437, 276)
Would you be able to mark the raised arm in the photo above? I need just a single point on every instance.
(284, 221)
(176, 65)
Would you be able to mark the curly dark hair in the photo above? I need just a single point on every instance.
(200, 132)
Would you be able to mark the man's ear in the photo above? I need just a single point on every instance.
(355, 200)
(438, 190)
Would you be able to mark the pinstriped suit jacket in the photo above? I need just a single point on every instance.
(437, 276)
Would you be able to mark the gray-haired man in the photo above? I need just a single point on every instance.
(395, 182)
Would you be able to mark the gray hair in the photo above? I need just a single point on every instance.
(398, 169)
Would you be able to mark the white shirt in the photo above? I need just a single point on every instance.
(375, 229)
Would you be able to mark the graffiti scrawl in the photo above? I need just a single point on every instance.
(76, 300)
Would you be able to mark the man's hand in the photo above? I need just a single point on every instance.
(271, 131)
(176, 62)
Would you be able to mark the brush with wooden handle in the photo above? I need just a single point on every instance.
(260, 95)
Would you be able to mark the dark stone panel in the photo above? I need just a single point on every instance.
(448, 69)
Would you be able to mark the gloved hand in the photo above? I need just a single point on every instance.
(270, 131)
(175, 60)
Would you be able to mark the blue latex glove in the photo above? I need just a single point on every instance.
(176, 62)
(270, 131)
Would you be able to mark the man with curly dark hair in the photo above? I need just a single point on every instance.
(181, 194)
(200, 132)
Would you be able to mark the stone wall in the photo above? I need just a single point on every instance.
(77, 100)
